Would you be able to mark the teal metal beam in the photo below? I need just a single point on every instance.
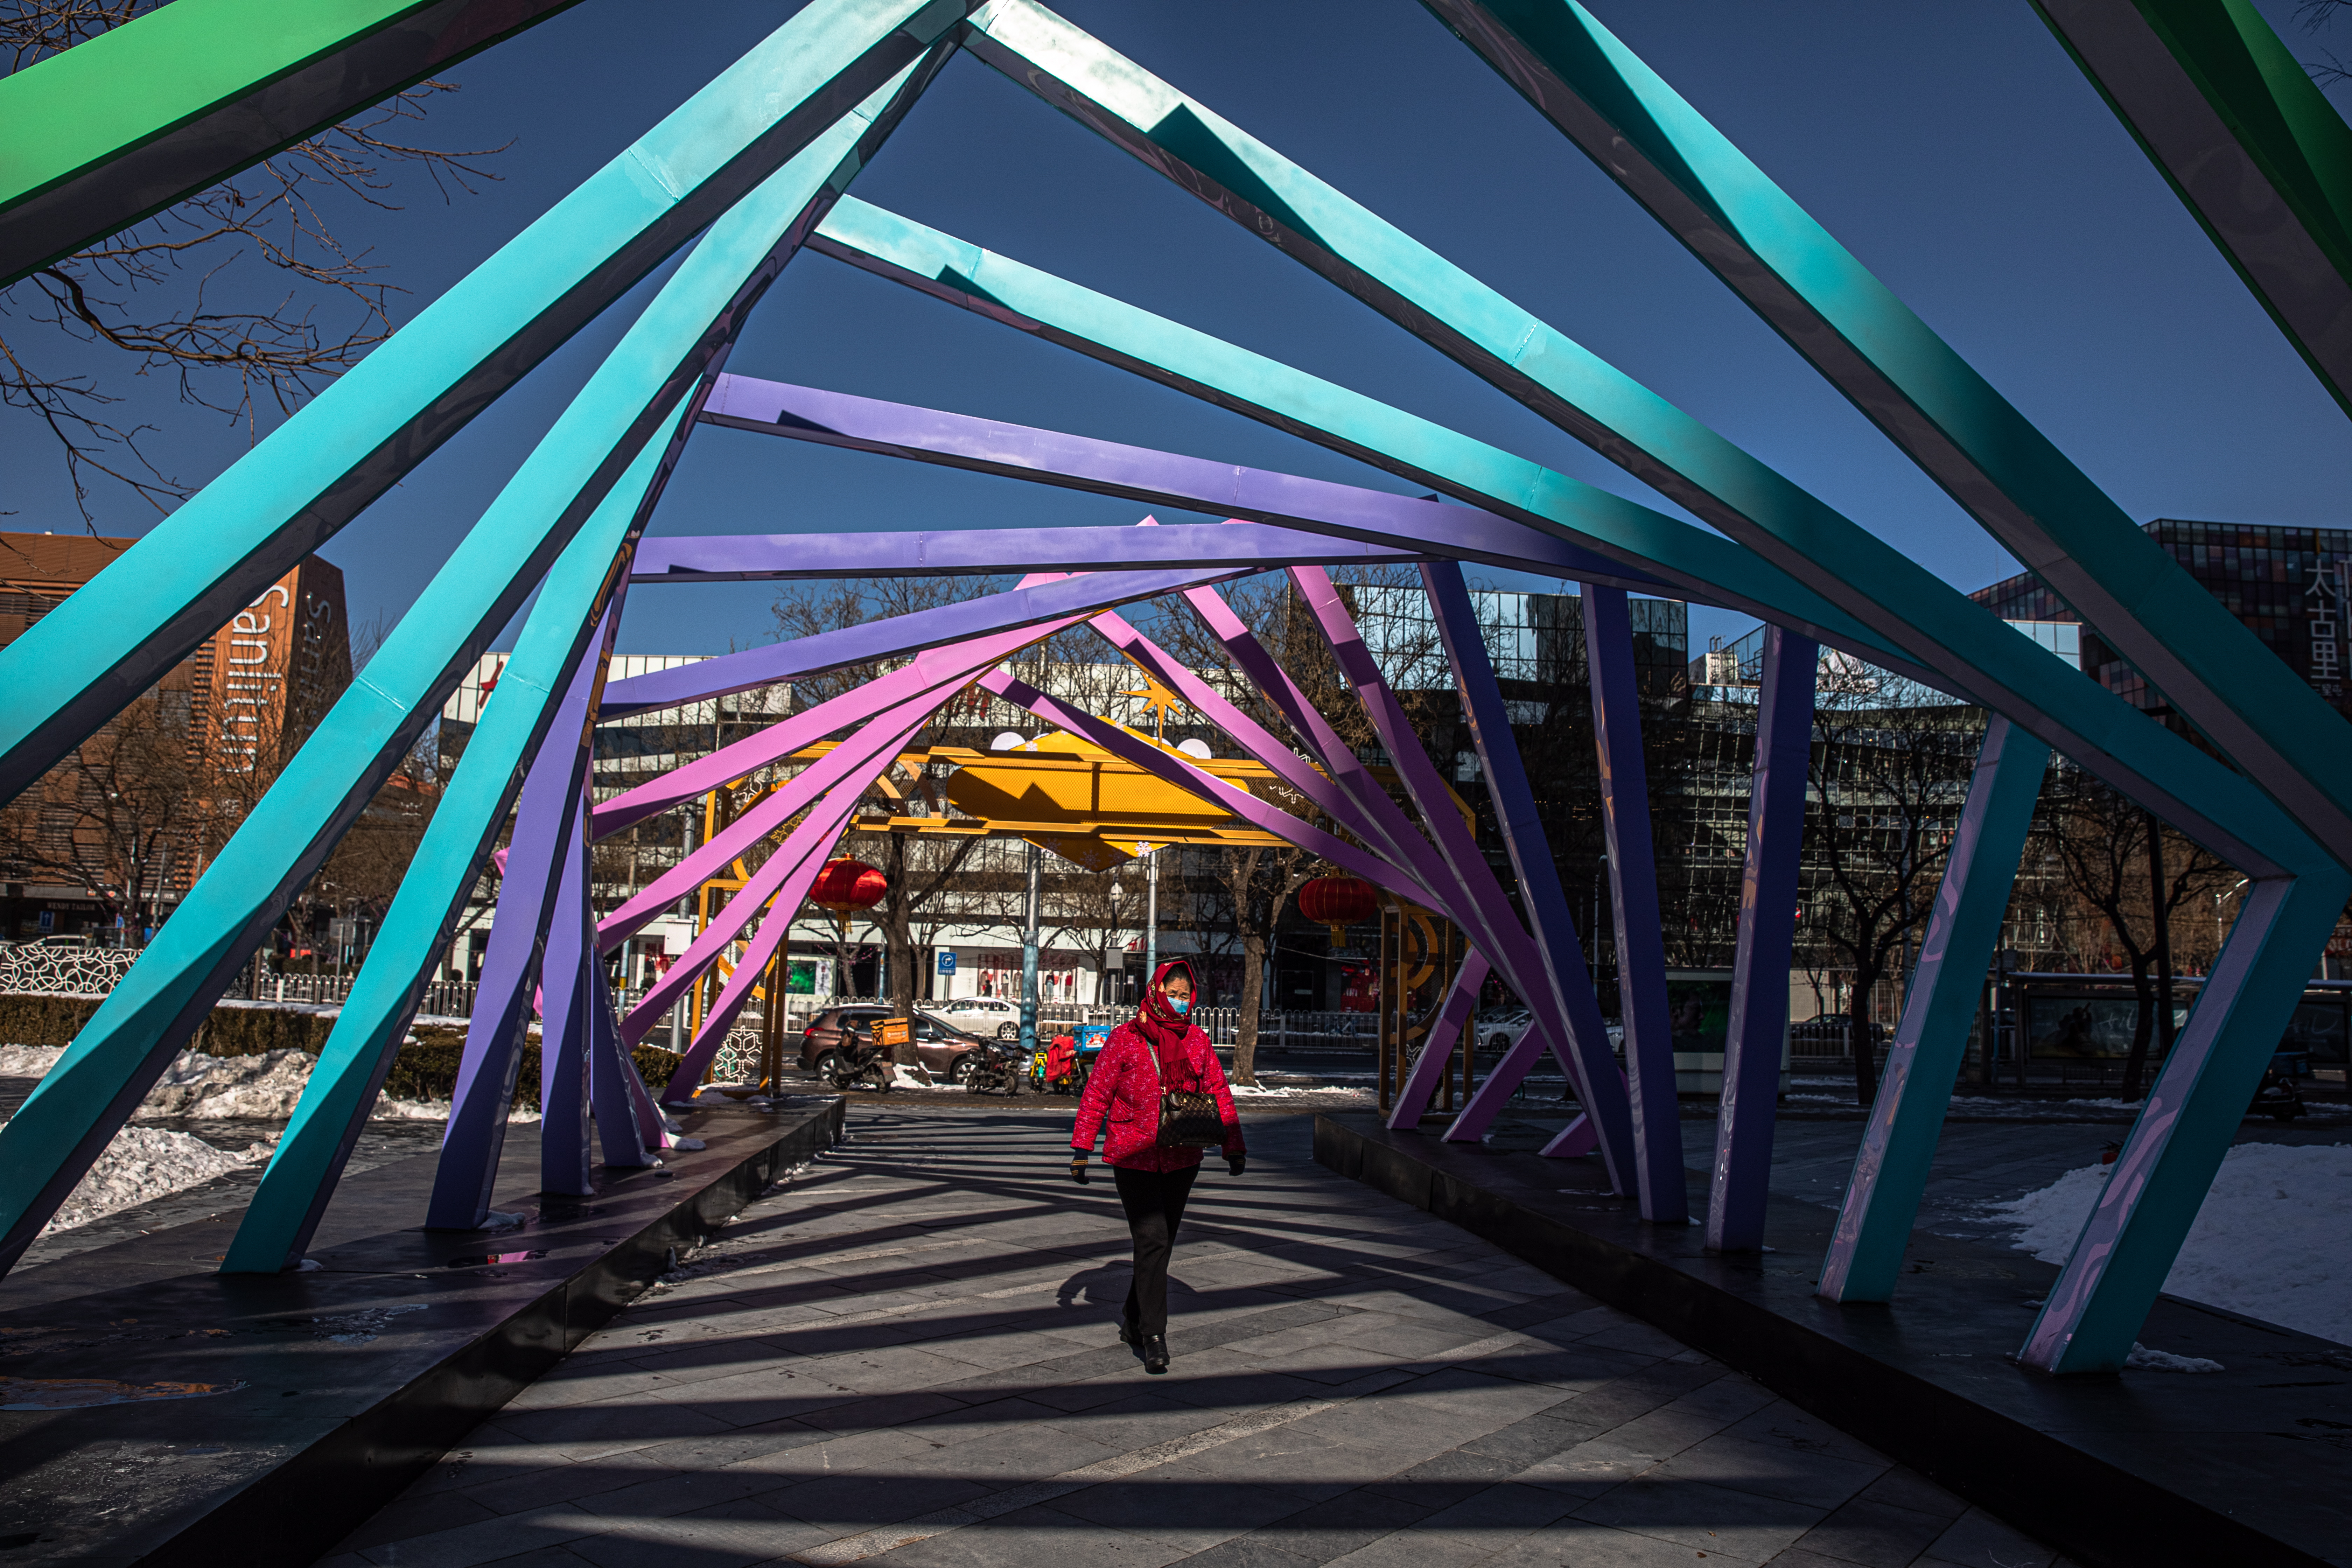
(75, 1110)
(1902, 603)
(1921, 625)
(1939, 1003)
(1971, 651)
(121, 126)
(1924, 397)
(117, 636)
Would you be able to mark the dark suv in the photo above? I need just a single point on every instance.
(939, 1046)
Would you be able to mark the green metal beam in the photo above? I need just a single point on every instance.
(120, 127)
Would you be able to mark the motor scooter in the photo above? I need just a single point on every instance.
(862, 1061)
(997, 1068)
(2279, 1096)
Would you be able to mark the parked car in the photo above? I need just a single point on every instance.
(982, 1016)
(939, 1045)
(1500, 1029)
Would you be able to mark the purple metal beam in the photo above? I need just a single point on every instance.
(891, 638)
(535, 862)
(564, 1037)
(1634, 893)
(1437, 1051)
(1559, 967)
(1158, 478)
(1739, 1183)
(937, 669)
(790, 557)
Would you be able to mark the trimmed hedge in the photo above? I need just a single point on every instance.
(425, 1068)
(233, 1030)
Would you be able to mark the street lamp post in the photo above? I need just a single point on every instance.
(1029, 955)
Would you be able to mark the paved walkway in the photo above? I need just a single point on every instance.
(907, 1359)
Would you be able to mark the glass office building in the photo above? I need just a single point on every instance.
(2287, 584)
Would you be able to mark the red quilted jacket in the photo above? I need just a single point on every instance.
(1124, 1091)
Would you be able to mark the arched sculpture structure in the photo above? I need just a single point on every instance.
(758, 164)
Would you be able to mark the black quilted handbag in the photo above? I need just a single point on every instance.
(1188, 1120)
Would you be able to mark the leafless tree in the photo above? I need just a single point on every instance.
(1890, 768)
(122, 819)
(152, 292)
(2316, 17)
(2137, 878)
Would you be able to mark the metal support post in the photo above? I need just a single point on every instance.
(566, 1016)
(1029, 898)
(1437, 1054)
(1634, 893)
(1738, 1184)
(1923, 1064)
(2159, 1178)
(1151, 912)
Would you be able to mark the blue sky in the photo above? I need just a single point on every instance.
(1953, 148)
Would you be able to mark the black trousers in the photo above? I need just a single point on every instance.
(1154, 1201)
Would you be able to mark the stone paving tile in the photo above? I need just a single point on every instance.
(902, 1357)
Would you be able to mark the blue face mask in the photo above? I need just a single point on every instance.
(1179, 1004)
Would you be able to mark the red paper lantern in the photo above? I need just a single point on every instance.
(1337, 902)
(844, 885)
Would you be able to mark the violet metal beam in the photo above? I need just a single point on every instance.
(946, 552)
(1633, 900)
(1898, 1142)
(868, 754)
(1468, 894)
(1738, 1181)
(1161, 479)
(535, 860)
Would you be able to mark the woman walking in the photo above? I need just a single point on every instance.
(1159, 1051)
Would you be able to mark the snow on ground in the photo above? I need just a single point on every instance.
(265, 1088)
(2273, 1240)
(147, 1162)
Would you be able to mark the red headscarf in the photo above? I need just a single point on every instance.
(1161, 1023)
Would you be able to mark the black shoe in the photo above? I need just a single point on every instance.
(1128, 1336)
(1155, 1354)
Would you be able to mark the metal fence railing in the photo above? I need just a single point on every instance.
(58, 970)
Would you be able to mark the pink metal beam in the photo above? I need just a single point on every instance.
(823, 823)
(1588, 1063)
(1174, 768)
(868, 752)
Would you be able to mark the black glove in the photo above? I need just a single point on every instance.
(1078, 1166)
(1236, 1163)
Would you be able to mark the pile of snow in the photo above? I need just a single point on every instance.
(2142, 1359)
(2273, 1240)
(265, 1086)
(261, 1088)
(144, 1163)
